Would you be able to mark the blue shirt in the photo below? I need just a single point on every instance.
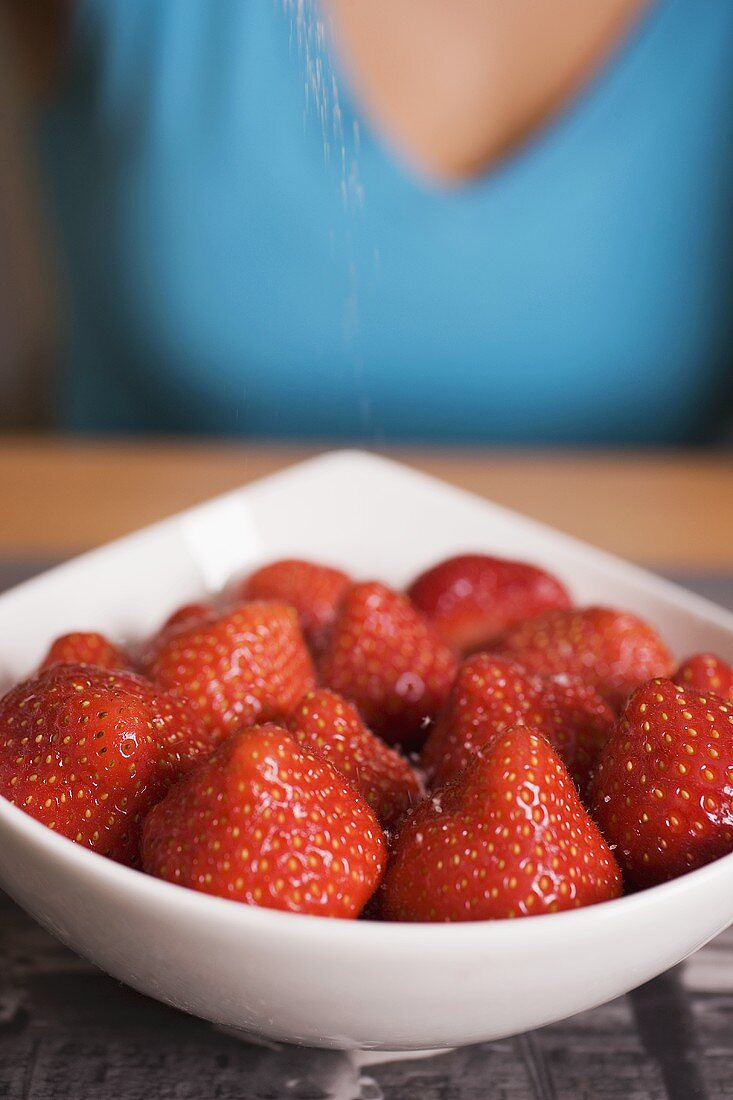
(225, 276)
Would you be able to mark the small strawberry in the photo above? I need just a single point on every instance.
(472, 600)
(248, 665)
(315, 591)
(187, 614)
(183, 618)
(88, 752)
(387, 659)
(327, 725)
(266, 822)
(493, 693)
(663, 789)
(508, 837)
(84, 648)
(706, 672)
(613, 651)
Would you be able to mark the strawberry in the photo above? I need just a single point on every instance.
(184, 617)
(663, 789)
(507, 837)
(266, 822)
(315, 591)
(235, 669)
(329, 726)
(187, 614)
(613, 651)
(473, 599)
(706, 672)
(387, 659)
(493, 693)
(88, 752)
(84, 648)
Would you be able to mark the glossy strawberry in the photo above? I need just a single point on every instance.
(492, 693)
(248, 665)
(88, 752)
(86, 648)
(472, 600)
(706, 672)
(331, 727)
(315, 591)
(187, 614)
(507, 837)
(613, 651)
(385, 657)
(663, 789)
(266, 822)
(183, 618)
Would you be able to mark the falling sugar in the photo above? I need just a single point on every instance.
(310, 36)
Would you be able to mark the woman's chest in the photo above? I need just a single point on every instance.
(229, 253)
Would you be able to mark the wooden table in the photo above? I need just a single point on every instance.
(68, 1032)
(673, 511)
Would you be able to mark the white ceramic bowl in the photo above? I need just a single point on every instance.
(308, 979)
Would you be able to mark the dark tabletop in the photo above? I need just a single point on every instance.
(68, 1032)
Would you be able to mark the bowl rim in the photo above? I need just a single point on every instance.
(690, 602)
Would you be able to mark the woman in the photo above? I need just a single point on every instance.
(521, 231)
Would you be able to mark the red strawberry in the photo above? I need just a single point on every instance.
(183, 618)
(508, 837)
(387, 659)
(613, 651)
(706, 672)
(493, 693)
(663, 789)
(266, 822)
(83, 648)
(315, 591)
(187, 614)
(329, 726)
(248, 665)
(88, 752)
(472, 600)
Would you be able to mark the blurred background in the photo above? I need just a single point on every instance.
(403, 222)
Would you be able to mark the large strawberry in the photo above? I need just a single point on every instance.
(330, 726)
(613, 651)
(706, 672)
(266, 822)
(88, 752)
(508, 837)
(385, 657)
(248, 665)
(85, 648)
(663, 789)
(315, 591)
(473, 599)
(493, 693)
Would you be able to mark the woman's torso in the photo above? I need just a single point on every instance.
(226, 277)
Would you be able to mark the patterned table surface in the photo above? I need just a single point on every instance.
(69, 1032)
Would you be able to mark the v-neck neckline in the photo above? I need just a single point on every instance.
(559, 124)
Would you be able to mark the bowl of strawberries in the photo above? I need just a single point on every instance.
(351, 758)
